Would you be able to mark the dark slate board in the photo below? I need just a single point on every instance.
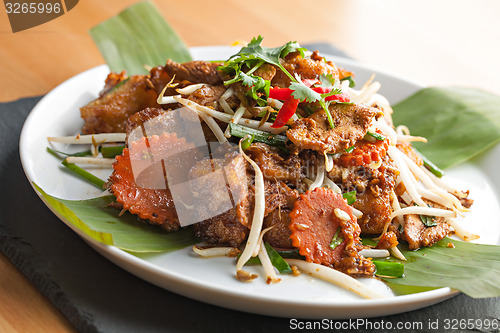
(97, 296)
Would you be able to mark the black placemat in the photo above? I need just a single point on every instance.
(97, 296)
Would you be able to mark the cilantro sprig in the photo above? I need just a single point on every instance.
(255, 51)
(304, 93)
(243, 64)
(256, 84)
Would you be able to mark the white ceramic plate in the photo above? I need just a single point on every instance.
(212, 280)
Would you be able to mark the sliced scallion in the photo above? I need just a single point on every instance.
(111, 151)
(376, 136)
(57, 153)
(247, 142)
(277, 261)
(258, 136)
(98, 182)
(290, 254)
(431, 166)
(350, 149)
(336, 240)
(118, 85)
(391, 269)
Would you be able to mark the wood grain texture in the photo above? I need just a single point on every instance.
(426, 41)
(449, 42)
(23, 308)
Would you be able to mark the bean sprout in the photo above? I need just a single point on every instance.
(336, 277)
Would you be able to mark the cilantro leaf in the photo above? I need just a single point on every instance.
(334, 91)
(257, 85)
(255, 51)
(352, 84)
(327, 80)
(350, 197)
(428, 221)
(254, 55)
(291, 47)
(303, 93)
(248, 80)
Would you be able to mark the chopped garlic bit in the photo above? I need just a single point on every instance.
(341, 214)
(245, 276)
(374, 253)
(215, 251)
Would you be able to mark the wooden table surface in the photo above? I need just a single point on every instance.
(452, 42)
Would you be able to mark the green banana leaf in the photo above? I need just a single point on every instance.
(97, 220)
(471, 268)
(459, 123)
(136, 37)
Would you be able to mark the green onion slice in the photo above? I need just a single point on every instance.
(389, 268)
(376, 136)
(274, 140)
(247, 142)
(111, 151)
(336, 240)
(57, 153)
(350, 149)
(277, 261)
(431, 166)
(98, 182)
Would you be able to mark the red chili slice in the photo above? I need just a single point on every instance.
(286, 112)
(290, 105)
(343, 97)
(284, 93)
(310, 82)
(280, 93)
(322, 90)
(314, 224)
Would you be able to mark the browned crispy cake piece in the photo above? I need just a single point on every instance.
(109, 112)
(314, 132)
